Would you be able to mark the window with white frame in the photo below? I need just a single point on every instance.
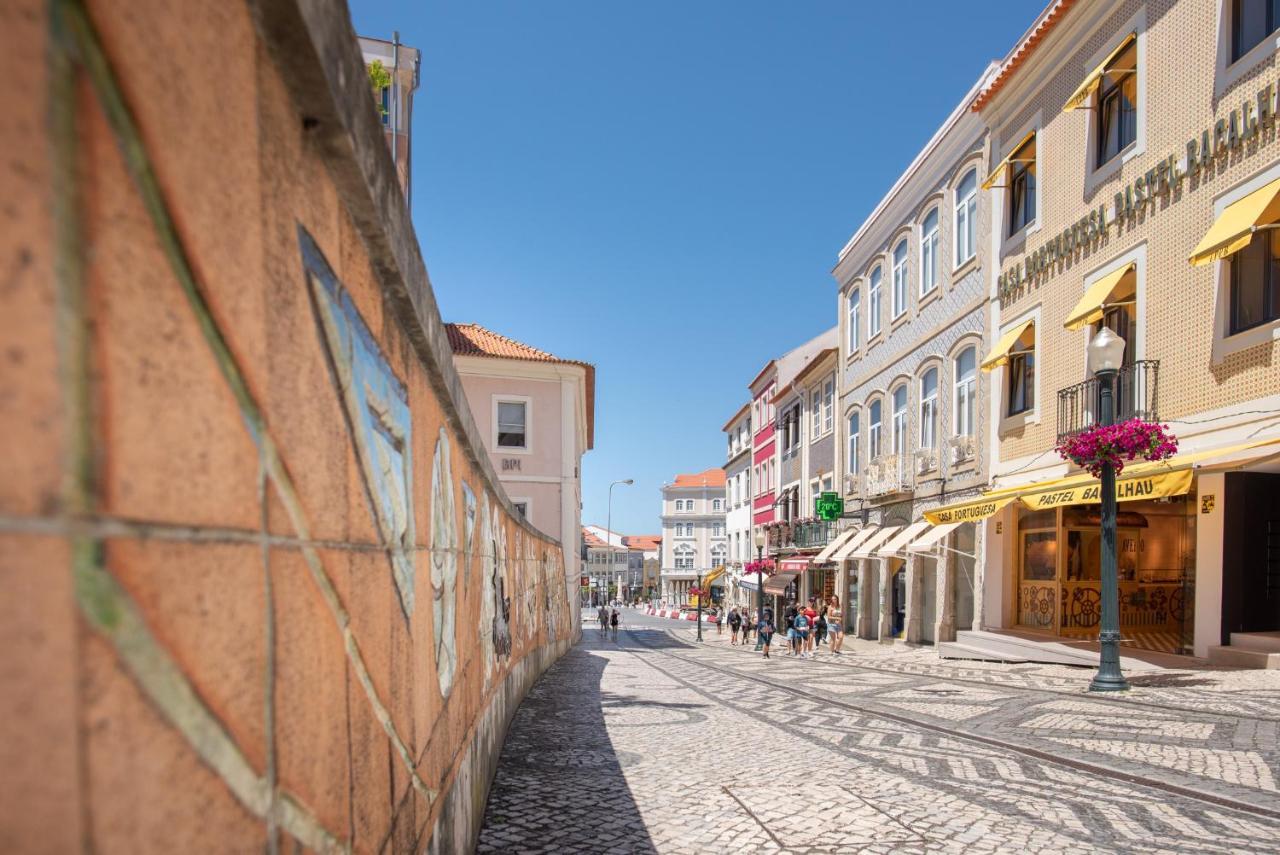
(966, 220)
(512, 425)
(815, 414)
(716, 504)
(688, 505)
(929, 409)
(855, 440)
(874, 421)
(929, 253)
(1255, 283)
(679, 505)
(717, 530)
(1118, 104)
(522, 508)
(1251, 22)
(900, 278)
(855, 318)
(873, 310)
(900, 419)
(1022, 186)
(828, 405)
(684, 557)
(965, 393)
(1021, 371)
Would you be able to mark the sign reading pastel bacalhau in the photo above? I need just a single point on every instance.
(828, 506)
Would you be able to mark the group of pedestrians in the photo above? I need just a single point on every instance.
(608, 620)
(807, 627)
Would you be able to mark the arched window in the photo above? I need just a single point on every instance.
(684, 557)
(855, 319)
(900, 419)
(875, 428)
(855, 439)
(873, 310)
(900, 278)
(929, 409)
(967, 217)
(966, 379)
(717, 555)
(715, 504)
(929, 253)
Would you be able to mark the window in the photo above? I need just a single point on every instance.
(966, 379)
(1118, 105)
(1022, 186)
(684, 557)
(929, 253)
(1255, 282)
(679, 504)
(873, 319)
(967, 218)
(1251, 22)
(828, 405)
(385, 101)
(688, 505)
(899, 278)
(1022, 379)
(873, 448)
(511, 424)
(929, 409)
(716, 504)
(522, 508)
(717, 530)
(815, 414)
(900, 419)
(854, 441)
(855, 318)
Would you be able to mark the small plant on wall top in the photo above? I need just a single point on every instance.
(379, 79)
(1125, 441)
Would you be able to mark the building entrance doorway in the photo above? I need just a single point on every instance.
(899, 612)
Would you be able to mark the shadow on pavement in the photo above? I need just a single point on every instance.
(560, 785)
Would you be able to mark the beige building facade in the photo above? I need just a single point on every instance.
(1132, 176)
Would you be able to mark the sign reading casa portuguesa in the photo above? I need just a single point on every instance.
(1240, 126)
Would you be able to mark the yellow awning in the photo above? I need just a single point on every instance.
(1234, 228)
(999, 354)
(1090, 308)
(971, 511)
(1090, 85)
(1130, 487)
(1004, 164)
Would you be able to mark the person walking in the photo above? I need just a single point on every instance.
(790, 626)
(748, 621)
(719, 618)
(735, 623)
(811, 615)
(765, 631)
(800, 641)
(613, 622)
(603, 616)
(819, 628)
(835, 624)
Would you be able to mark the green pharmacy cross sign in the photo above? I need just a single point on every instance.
(828, 506)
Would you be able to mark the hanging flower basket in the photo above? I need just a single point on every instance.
(762, 567)
(695, 592)
(1118, 443)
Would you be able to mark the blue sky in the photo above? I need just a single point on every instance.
(661, 188)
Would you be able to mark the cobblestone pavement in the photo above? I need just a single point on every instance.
(656, 743)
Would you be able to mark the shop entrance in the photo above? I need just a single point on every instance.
(899, 612)
(963, 544)
(1251, 554)
(1059, 572)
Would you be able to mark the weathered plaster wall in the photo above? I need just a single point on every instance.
(261, 584)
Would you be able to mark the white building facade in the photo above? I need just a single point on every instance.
(694, 542)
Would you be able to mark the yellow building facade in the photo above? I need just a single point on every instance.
(1134, 182)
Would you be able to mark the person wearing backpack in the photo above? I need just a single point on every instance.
(735, 622)
(801, 626)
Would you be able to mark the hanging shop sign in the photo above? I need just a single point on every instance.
(1141, 196)
(1127, 490)
(828, 506)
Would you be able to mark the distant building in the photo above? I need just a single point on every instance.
(693, 535)
(738, 490)
(395, 101)
(536, 414)
(649, 546)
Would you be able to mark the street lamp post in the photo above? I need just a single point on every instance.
(609, 538)
(1106, 354)
(759, 588)
(699, 583)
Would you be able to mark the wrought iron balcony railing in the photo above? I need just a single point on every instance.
(1135, 395)
(810, 534)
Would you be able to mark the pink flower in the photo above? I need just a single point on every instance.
(1118, 443)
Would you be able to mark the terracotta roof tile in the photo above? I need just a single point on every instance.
(1044, 24)
(709, 478)
(642, 541)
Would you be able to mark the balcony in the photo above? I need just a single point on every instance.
(888, 474)
(1136, 395)
(807, 535)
